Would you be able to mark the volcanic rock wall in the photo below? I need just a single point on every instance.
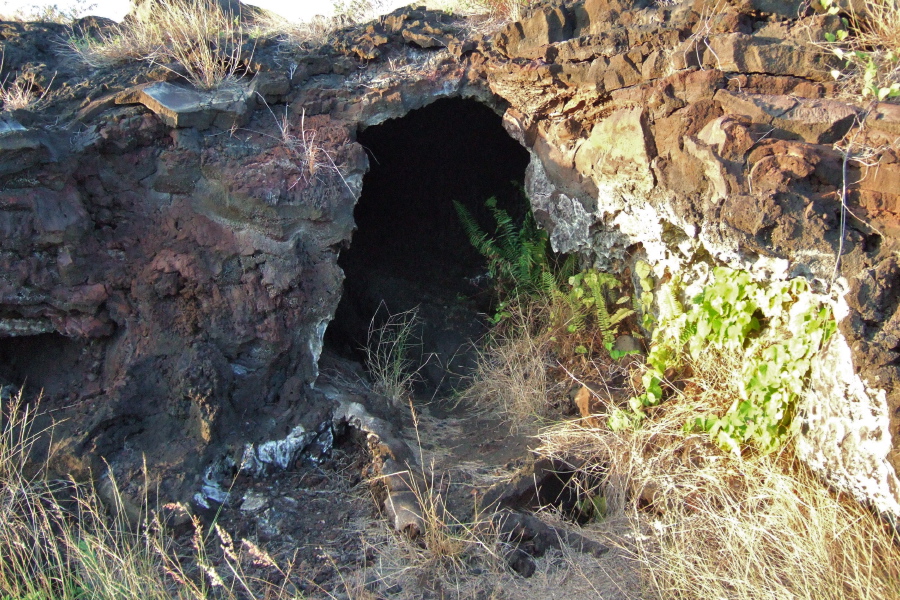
(189, 240)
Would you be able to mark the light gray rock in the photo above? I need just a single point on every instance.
(187, 107)
(9, 125)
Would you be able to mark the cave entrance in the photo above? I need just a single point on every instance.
(410, 249)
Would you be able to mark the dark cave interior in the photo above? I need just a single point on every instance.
(410, 249)
(48, 364)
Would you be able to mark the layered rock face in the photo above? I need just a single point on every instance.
(176, 251)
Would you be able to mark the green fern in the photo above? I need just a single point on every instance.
(519, 262)
(590, 296)
(518, 257)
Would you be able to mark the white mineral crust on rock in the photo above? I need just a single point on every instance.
(846, 436)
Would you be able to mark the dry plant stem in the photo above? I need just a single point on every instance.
(20, 95)
(843, 227)
(704, 29)
(447, 547)
(868, 55)
(388, 350)
(315, 31)
(60, 541)
(311, 156)
(860, 156)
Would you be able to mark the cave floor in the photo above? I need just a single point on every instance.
(321, 522)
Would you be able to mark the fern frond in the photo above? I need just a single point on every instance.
(567, 269)
(518, 257)
(669, 306)
(547, 283)
(604, 321)
(620, 315)
(482, 242)
(479, 239)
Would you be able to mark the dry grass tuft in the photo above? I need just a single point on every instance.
(203, 38)
(313, 32)
(311, 157)
(393, 353)
(18, 94)
(61, 541)
(878, 40)
(57, 538)
(499, 12)
(22, 92)
(879, 27)
(449, 546)
(445, 552)
(712, 525)
(513, 373)
(867, 46)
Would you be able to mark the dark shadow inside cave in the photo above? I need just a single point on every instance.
(49, 364)
(410, 249)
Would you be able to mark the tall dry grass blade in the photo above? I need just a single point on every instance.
(393, 353)
(512, 371)
(58, 538)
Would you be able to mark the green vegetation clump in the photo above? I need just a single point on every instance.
(523, 268)
(201, 36)
(724, 372)
(775, 329)
(585, 305)
(518, 257)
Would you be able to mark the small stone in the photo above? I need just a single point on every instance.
(253, 502)
(628, 344)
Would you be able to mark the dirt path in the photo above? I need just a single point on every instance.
(466, 453)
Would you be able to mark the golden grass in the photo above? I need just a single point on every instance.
(21, 92)
(512, 374)
(712, 525)
(204, 39)
(521, 367)
(446, 550)
(315, 31)
(868, 58)
(880, 25)
(18, 94)
(393, 353)
(57, 540)
(498, 11)
(447, 546)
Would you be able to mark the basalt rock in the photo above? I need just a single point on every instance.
(187, 242)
